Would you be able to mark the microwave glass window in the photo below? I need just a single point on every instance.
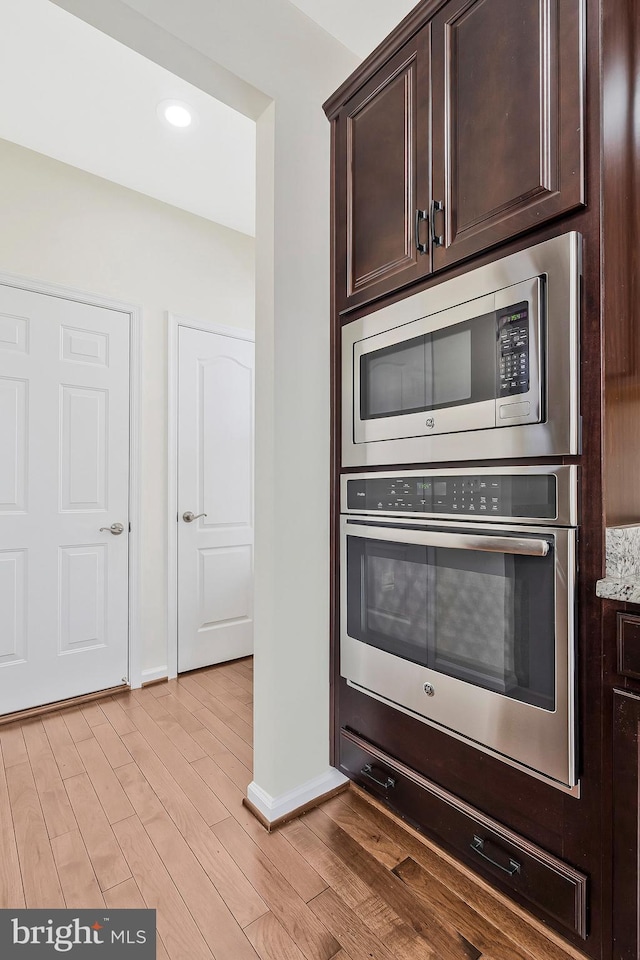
(451, 367)
(396, 379)
(448, 369)
(485, 618)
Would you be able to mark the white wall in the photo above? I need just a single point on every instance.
(65, 226)
(272, 46)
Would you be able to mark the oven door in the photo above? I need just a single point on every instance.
(469, 629)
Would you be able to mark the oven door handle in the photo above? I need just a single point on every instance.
(521, 547)
(487, 543)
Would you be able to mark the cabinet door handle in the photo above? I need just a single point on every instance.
(420, 216)
(477, 845)
(437, 206)
(367, 771)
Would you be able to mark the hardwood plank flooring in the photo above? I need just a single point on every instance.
(311, 935)
(13, 747)
(54, 801)
(106, 855)
(76, 724)
(241, 898)
(116, 716)
(79, 884)
(11, 888)
(112, 797)
(126, 895)
(176, 926)
(112, 746)
(271, 941)
(64, 749)
(202, 798)
(92, 712)
(451, 944)
(136, 800)
(504, 915)
(214, 919)
(39, 875)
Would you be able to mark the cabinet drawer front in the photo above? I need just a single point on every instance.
(629, 645)
(520, 868)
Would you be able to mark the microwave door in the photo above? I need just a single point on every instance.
(434, 375)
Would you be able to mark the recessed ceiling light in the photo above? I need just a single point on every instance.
(176, 113)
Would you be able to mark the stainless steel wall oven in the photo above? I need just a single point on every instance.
(457, 605)
(481, 366)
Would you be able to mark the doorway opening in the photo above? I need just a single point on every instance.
(104, 196)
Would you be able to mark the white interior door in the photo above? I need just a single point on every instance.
(64, 473)
(215, 485)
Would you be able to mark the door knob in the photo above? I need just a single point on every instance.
(189, 516)
(116, 529)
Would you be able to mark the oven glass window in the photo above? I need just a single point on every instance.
(485, 618)
(450, 367)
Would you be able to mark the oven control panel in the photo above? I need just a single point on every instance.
(458, 495)
(513, 350)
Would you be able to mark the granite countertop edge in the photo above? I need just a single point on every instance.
(612, 589)
(622, 580)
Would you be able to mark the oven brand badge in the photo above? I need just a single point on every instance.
(429, 422)
(35, 934)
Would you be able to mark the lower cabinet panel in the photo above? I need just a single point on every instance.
(626, 825)
(521, 869)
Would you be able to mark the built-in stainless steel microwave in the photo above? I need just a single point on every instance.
(483, 366)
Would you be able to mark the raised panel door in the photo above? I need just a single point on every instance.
(215, 482)
(382, 179)
(507, 120)
(64, 479)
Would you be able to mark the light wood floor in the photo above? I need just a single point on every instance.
(136, 800)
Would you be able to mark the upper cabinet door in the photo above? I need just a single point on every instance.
(382, 179)
(507, 120)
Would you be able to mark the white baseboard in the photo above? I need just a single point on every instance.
(154, 673)
(273, 808)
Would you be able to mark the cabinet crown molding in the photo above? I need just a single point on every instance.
(423, 12)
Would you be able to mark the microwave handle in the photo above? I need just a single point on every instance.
(521, 547)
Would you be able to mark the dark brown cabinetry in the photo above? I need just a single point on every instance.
(383, 142)
(626, 826)
(516, 119)
(522, 869)
(628, 636)
(507, 119)
(470, 134)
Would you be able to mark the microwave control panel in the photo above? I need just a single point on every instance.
(502, 496)
(513, 350)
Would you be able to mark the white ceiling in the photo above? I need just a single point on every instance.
(75, 94)
(358, 24)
